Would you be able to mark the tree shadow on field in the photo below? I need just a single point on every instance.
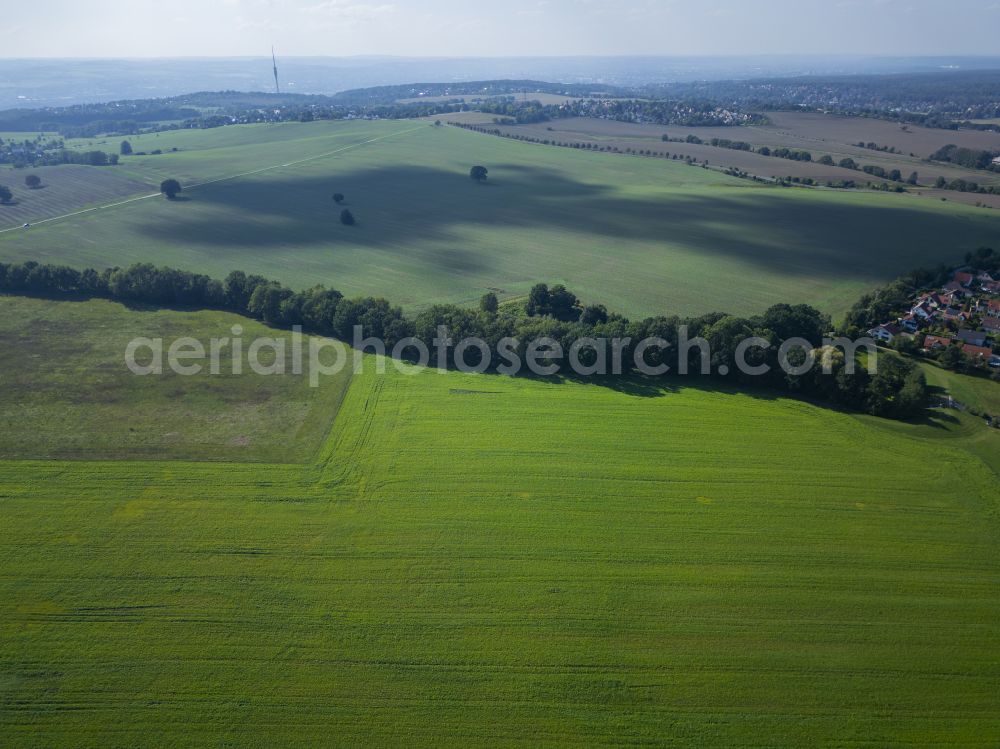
(405, 210)
(645, 386)
(936, 419)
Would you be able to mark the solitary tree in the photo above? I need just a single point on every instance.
(126, 148)
(489, 303)
(33, 181)
(338, 198)
(913, 179)
(5, 194)
(170, 188)
(347, 218)
(479, 173)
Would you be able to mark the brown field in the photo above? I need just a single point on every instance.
(966, 198)
(65, 188)
(816, 133)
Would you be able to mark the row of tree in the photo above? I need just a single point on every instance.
(897, 390)
(45, 156)
(968, 157)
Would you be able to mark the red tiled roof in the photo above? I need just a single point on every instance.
(977, 351)
(933, 340)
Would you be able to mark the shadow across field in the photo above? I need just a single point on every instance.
(408, 210)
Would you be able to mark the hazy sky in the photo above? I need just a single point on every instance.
(148, 28)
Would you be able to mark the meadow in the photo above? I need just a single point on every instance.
(476, 559)
(67, 393)
(643, 236)
(65, 188)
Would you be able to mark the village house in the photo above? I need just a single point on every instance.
(886, 332)
(963, 278)
(935, 343)
(982, 354)
(922, 311)
(992, 325)
(937, 300)
(909, 324)
(972, 337)
(954, 288)
(954, 298)
(954, 314)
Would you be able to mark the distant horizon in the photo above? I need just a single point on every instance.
(706, 56)
(451, 29)
(61, 81)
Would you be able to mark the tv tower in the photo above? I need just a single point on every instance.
(277, 88)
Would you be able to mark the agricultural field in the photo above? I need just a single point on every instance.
(817, 133)
(476, 559)
(68, 394)
(642, 236)
(65, 188)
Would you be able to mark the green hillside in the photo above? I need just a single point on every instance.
(640, 235)
(486, 560)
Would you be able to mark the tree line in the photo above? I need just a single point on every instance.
(968, 157)
(41, 152)
(897, 390)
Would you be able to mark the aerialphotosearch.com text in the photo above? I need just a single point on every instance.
(299, 354)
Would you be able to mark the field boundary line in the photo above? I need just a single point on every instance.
(215, 181)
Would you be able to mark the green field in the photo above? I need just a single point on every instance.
(640, 235)
(65, 189)
(68, 394)
(481, 560)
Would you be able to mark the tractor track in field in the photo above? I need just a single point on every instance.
(139, 198)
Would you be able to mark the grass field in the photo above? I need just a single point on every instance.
(68, 394)
(65, 188)
(640, 235)
(471, 560)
